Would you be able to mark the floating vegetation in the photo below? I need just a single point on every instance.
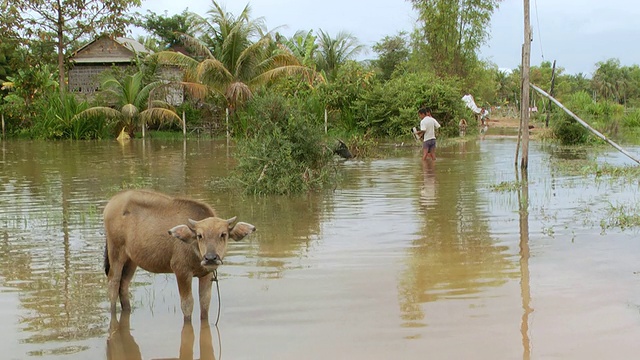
(616, 171)
(506, 186)
(621, 216)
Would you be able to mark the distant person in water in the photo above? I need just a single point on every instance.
(428, 126)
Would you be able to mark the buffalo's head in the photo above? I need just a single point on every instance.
(210, 237)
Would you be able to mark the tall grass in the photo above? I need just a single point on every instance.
(57, 120)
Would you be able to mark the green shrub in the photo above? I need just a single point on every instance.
(391, 109)
(632, 119)
(284, 152)
(568, 131)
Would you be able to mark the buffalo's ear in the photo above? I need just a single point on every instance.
(182, 232)
(240, 230)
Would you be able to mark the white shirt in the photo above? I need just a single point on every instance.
(429, 126)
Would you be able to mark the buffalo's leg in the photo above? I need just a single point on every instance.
(114, 276)
(186, 298)
(128, 270)
(204, 292)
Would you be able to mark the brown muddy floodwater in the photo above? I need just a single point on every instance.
(402, 261)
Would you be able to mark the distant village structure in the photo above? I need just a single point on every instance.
(97, 56)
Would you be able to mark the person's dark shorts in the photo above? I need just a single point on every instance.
(429, 145)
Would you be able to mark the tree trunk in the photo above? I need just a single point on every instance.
(61, 76)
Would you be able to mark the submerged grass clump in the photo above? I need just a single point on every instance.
(506, 186)
(616, 171)
(623, 216)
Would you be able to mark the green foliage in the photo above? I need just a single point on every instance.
(632, 119)
(59, 121)
(131, 96)
(226, 61)
(392, 52)
(60, 24)
(565, 128)
(167, 29)
(25, 88)
(285, 152)
(334, 52)
(351, 82)
(391, 108)
(451, 32)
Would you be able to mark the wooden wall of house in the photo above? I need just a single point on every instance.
(105, 49)
(84, 79)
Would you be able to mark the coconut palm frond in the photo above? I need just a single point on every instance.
(198, 90)
(238, 93)
(144, 93)
(160, 104)
(160, 116)
(131, 87)
(130, 111)
(99, 111)
(308, 74)
(175, 58)
(249, 59)
(196, 46)
(212, 71)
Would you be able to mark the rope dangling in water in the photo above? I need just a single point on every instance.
(215, 279)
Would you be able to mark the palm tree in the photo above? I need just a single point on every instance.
(302, 45)
(333, 52)
(227, 61)
(131, 96)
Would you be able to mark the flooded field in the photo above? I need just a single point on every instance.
(404, 260)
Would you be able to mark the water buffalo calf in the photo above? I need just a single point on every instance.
(163, 234)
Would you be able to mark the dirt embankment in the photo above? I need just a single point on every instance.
(535, 129)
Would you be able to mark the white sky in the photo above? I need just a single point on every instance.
(576, 33)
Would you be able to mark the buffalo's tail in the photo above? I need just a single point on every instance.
(107, 266)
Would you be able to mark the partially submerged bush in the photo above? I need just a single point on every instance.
(568, 131)
(284, 152)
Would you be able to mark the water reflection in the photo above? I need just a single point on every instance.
(525, 287)
(121, 345)
(319, 269)
(455, 256)
(299, 218)
(428, 192)
(49, 266)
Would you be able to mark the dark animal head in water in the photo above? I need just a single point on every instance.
(342, 150)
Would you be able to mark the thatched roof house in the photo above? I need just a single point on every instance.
(99, 55)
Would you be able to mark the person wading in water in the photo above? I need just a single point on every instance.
(428, 126)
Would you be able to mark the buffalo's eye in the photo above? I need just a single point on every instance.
(223, 235)
(199, 236)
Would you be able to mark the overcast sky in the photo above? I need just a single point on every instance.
(576, 33)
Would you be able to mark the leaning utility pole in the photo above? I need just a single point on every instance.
(524, 103)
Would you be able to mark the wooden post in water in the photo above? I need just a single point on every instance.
(524, 106)
(226, 116)
(184, 125)
(553, 82)
(3, 126)
(325, 120)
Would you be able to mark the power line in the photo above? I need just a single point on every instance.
(538, 23)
